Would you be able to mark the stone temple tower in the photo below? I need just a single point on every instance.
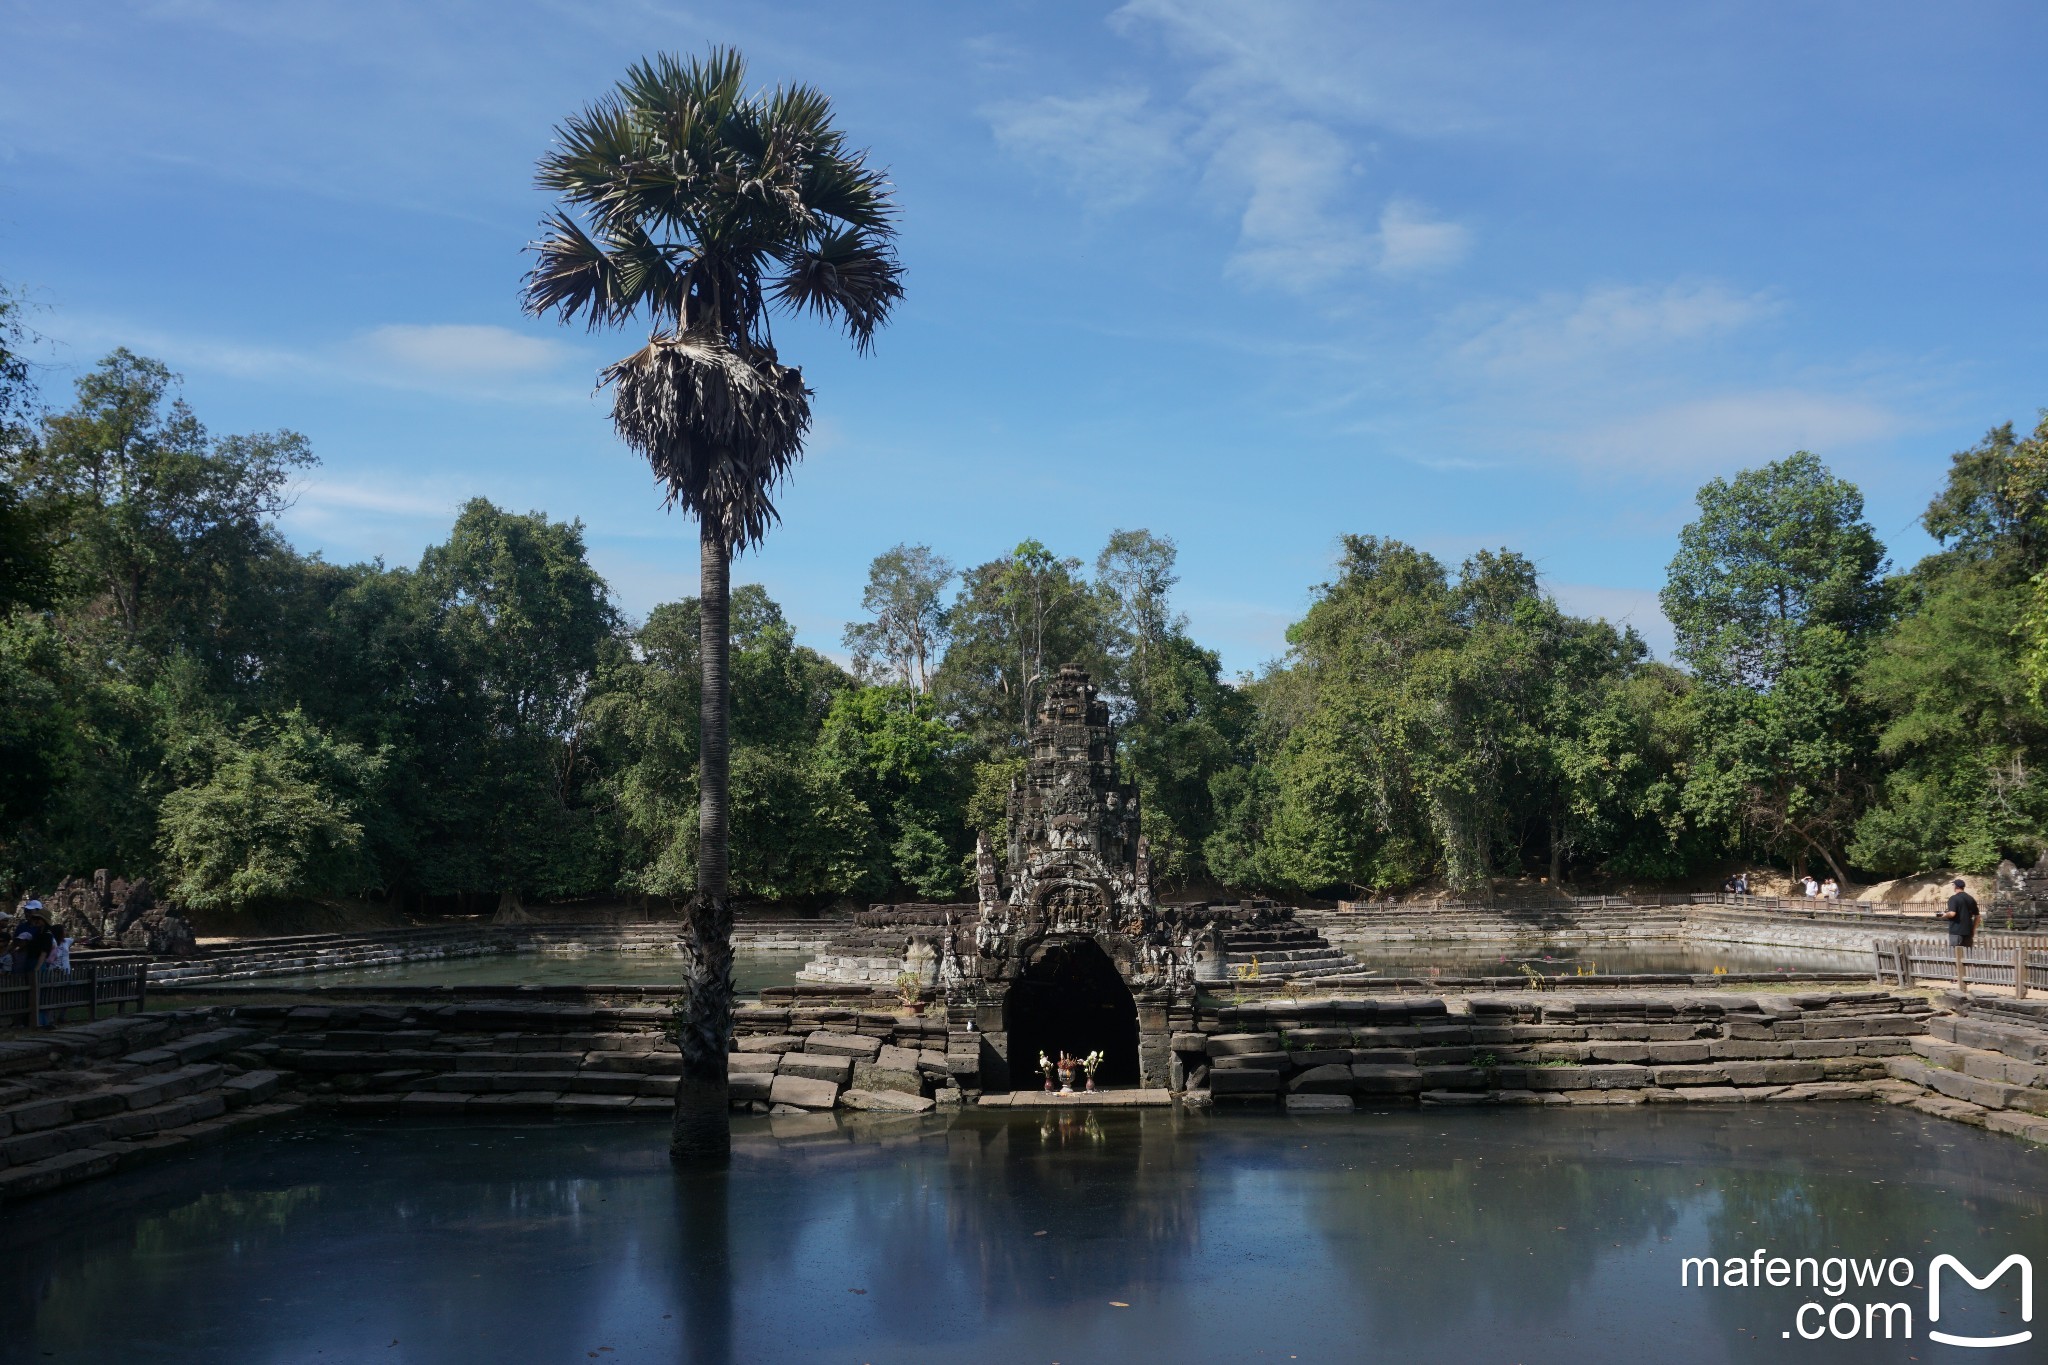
(1070, 949)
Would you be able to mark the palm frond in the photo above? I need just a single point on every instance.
(719, 430)
(849, 275)
(573, 276)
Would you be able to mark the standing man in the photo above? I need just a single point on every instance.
(32, 943)
(1962, 928)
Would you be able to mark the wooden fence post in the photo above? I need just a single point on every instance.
(2019, 970)
(1905, 964)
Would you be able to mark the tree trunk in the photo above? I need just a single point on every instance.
(1556, 842)
(511, 909)
(702, 1135)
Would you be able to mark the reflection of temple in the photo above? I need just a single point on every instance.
(1064, 948)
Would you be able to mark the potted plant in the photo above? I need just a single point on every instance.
(1088, 1064)
(1046, 1068)
(910, 990)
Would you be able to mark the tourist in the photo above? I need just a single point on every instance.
(1812, 886)
(32, 944)
(1961, 915)
(1742, 883)
(1831, 890)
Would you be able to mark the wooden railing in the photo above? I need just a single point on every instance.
(1993, 960)
(89, 988)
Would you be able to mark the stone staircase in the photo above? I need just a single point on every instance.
(502, 1058)
(82, 1101)
(1986, 1064)
(1544, 1048)
(1513, 918)
(1291, 950)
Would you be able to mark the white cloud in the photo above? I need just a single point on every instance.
(1606, 322)
(461, 349)
(456, 360)
(329, 499)
(1412, 242)
(1111, 148)
(1735, 430)
(1277, 148)
(1292, 231)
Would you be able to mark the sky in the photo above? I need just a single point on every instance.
(1251, 275)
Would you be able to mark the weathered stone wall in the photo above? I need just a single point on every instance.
(1547, 1049)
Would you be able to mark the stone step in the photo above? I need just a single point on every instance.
(2014, 1039)
(1980, 1076)
(434, 1102)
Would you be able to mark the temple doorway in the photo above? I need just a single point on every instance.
(1071, 997)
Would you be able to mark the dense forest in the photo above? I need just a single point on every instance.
(185, 695)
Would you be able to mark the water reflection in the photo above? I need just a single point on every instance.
(990, 1236)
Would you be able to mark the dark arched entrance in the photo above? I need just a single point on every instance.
(1071, 996)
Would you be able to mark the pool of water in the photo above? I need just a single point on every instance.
(753, 969)
(1455, 1235)
(1466, 959)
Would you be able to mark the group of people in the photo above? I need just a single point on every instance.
(1829, 890)
(31, 949)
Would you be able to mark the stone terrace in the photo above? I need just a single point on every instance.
(1552, 1049)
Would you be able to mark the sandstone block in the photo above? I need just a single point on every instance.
(768, 1042)
(1370, 1079)
(1243, 1081)
(885, 1101)
(1323, 1080)
(750, 1085)
(1823, 1090)
(897, 1058)
(877, 1076)
(842, 1045)
(1453, 1078)
(762, 1063)
(1235, 1044)
(803, 1092)
(816, 1067)
(2029, 1126)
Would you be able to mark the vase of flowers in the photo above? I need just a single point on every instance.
(1088, 1064)
(1066, 1065)
(1046, 1069)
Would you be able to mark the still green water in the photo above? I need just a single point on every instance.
(1459, 1235)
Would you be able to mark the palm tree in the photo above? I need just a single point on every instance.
(685, 199)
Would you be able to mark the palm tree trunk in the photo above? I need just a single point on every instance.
(702, 1135)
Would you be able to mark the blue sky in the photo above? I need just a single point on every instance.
(1253, 275)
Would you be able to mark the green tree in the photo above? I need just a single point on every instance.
(643, 724)
(891, 749)
(518, 618)
(906, 633)
(696, 204)
(1014, 623)
(163, 524)
(1776, 598)
(1963, 742)
(273, 817)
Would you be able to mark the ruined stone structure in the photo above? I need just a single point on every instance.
(111, 912)
(1064, 947)
(1072, 954)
